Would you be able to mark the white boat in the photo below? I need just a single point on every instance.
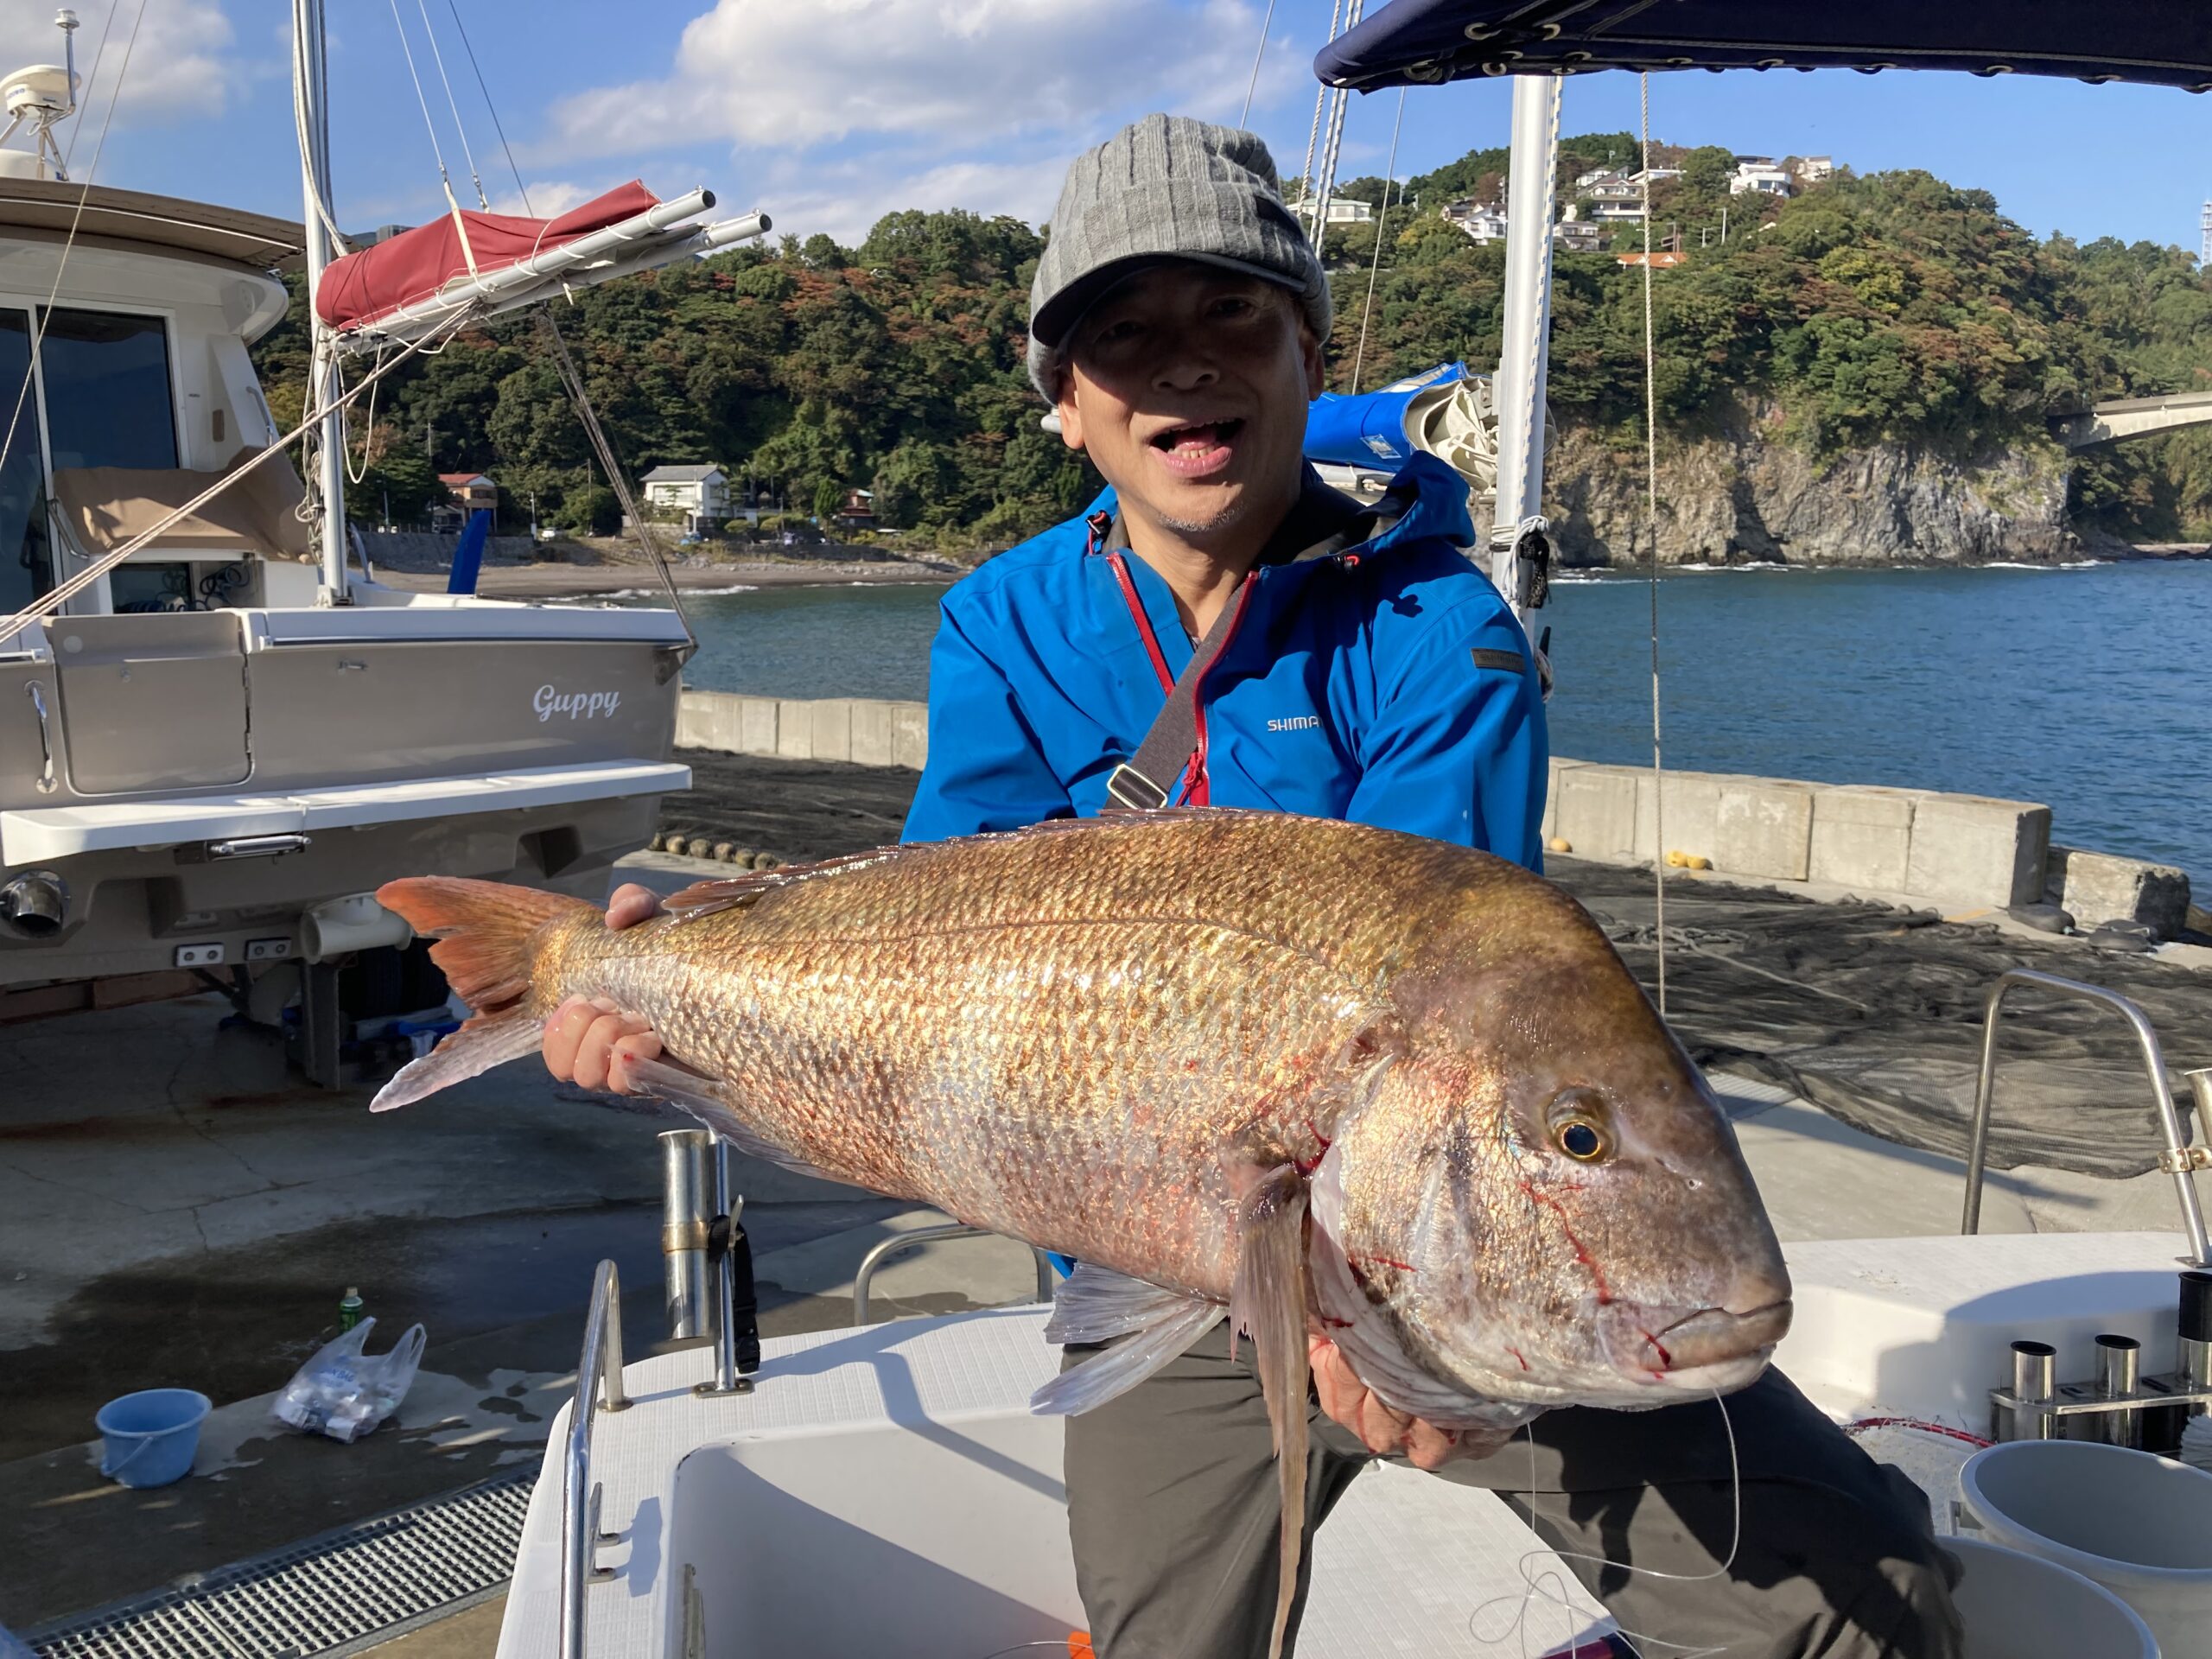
(219, 745)
(885, 1489)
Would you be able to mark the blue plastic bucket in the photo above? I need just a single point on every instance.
(149, 1437)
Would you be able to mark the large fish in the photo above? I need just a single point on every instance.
(1346, 1081)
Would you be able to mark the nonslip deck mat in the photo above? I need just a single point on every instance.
(329, 1595)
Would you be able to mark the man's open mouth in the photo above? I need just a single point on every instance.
(1199, 450)
(1198, 438)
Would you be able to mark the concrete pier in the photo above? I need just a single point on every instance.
(1918, 847)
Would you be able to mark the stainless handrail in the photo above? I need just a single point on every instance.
(598, 1370)
(890, 1247)
(2180, 1159)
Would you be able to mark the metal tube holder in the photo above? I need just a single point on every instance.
(599, 1387)
(686, 1229)
(2179, 1160)
(737, 1325)
(2118, 1406)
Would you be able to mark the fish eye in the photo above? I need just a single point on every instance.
(1580, 1140)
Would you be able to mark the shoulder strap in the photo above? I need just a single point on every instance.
(1322, 524)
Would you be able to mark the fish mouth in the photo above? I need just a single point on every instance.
(1698, 1349)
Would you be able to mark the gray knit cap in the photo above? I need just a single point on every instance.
(1167, 188)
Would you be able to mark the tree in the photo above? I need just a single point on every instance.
(829, 499)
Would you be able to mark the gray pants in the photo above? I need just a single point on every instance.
(1172, 1508)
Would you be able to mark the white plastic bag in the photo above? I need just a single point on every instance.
(343, 1392)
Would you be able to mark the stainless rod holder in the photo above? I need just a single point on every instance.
(2119, 1370)
(2178, 1162)
(686, 1212)
(726, 1379)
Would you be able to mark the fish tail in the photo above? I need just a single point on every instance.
(489, 937)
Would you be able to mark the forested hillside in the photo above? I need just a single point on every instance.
(1892, 309)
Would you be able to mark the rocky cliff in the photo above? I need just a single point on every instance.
(1739, 496)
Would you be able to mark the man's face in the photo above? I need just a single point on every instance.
(1188, 385)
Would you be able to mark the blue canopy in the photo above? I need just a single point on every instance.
(2155, 42)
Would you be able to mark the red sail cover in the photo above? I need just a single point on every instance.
(415, 264)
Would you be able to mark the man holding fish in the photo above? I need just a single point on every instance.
(1396, 1103)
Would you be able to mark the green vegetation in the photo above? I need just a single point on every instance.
(1893, 307)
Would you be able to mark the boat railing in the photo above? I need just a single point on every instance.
(865, 1277)
(599, 1387)
(2179, 1160)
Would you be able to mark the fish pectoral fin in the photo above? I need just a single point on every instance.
(1269, 1305)
(1096, 1304)
(481, 1043)
(1148, 1327)
(702, 1098)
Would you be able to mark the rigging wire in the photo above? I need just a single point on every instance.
(493, 109)
(1333, 145)
(1390, 178)
(45, 317)
(1253, 85)
(572, 382)
(1651, 515)
(453, 203)
(1313, 134)
(467, 154)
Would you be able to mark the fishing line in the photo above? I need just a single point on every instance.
(1651, 515)
(1540, 1579)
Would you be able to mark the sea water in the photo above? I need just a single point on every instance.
(2087, 689)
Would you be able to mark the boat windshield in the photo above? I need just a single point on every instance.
(107, 379)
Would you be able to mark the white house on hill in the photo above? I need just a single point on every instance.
(700, 493)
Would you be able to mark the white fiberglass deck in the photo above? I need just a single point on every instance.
(885, 1490)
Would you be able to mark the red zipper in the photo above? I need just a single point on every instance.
(1144, 623)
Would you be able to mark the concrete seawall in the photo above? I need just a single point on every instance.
(1918, 847)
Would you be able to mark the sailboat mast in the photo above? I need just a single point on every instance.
(1532, 190)
(310, 97)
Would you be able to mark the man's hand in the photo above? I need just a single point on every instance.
(1382, 1430)
(589, 1041)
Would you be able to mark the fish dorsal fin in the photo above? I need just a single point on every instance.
(737, 892)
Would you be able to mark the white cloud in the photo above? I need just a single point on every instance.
(798, 72)
(550, 198)
(179, 66)
(844, 199)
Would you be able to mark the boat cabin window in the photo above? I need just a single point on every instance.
(107, 385)
(24, 565)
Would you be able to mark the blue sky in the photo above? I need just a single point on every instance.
(828, 112)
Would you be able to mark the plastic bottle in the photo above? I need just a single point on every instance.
(349, 1308)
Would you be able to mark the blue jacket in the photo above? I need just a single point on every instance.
(1366, 686)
